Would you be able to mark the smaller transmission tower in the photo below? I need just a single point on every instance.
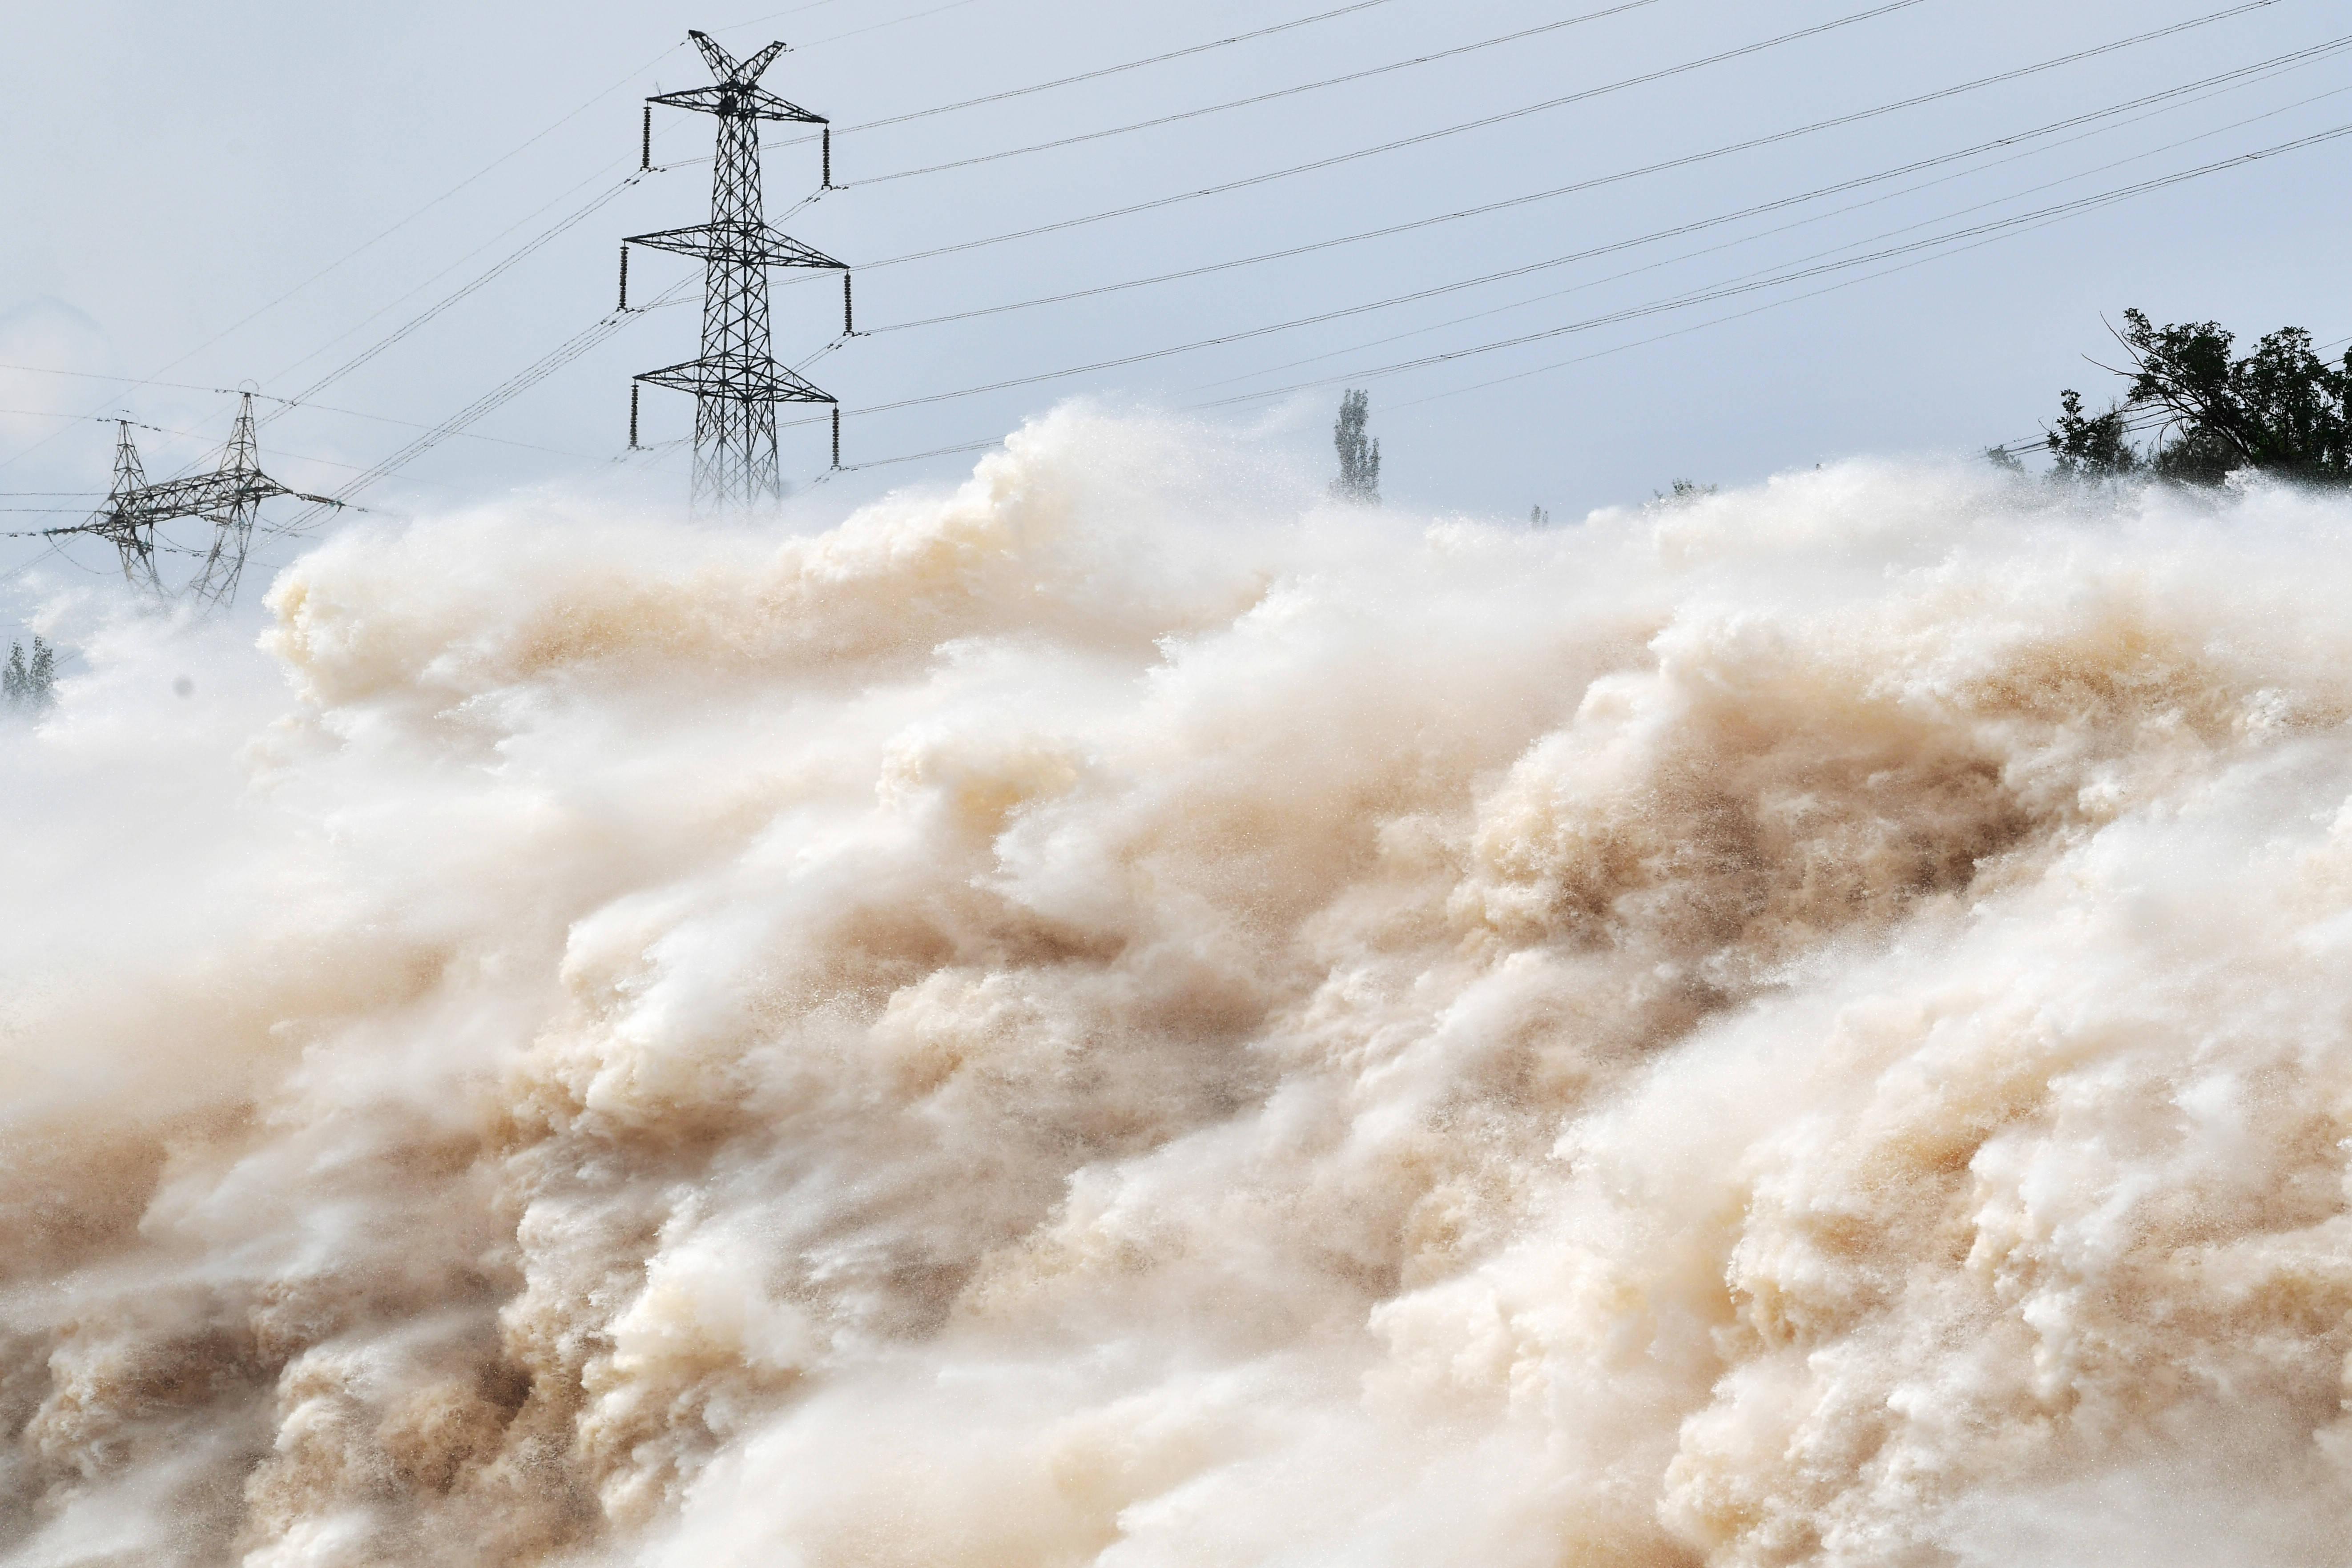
(138, 547)
(229, 498)
(737, 382)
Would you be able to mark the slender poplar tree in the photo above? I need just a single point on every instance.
(1359, 457)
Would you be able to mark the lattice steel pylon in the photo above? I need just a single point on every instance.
(737, 382)
(136, 541)
(229, 498)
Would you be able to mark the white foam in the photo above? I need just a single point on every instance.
(1123, 1014)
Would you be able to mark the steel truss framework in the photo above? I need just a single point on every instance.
(737, 382)
(229, 498)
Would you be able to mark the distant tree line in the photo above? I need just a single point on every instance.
(2192, 410)
(29, 685)
(2193, 413)
(1360, 463)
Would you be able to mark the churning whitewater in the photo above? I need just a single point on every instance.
(1127, 1014)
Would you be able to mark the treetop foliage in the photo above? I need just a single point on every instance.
(29, 687)
(2281, 410)
(1360, 459)
(1681, 492)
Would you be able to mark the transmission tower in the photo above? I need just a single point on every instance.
(229, 498)
(737, 382)
(115, 523)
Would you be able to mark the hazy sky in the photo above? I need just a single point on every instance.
(260, 193)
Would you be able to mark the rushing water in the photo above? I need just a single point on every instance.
(1125, 1014)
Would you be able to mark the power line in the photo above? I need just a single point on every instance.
(1111, 70)
(1814, 294)
(1059, 81)
(81, 419)
(157, 429)
(1980, 234)
(497, 397)
(482, 280)
(1613, 350)
(1821, 217)
(2280, 61)
(1983, 231)
(231, 392)
(894, 21)
(540, 135)
(428, 281)
(1123, 360)
(473, 286)
(367, 244)
(17, 571)
(1261, 98)
(1350, 157)
(772, 15)
(545, 236)
(122, 381)
(918, 456)
(1686, 330)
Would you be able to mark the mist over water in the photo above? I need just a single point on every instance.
(1124, 1014)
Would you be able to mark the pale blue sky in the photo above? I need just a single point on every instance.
(184, 174)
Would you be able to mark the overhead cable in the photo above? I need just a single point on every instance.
(1980, 232)
(2022, 224)
(232, 392)
(1584, 95)
(1524, 32)
(1597, 182)
(510, 154)
(1064, 81)
(480, 281)
(918, 456)
(516, 151)
(427, 282)
(1819, 218)
(497, 397)
(1110, 70)
(893, 21)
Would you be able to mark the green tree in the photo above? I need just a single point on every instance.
(29, 687)
(41, 679)
(2280, 409)
(1359, 459)
(2092, 447)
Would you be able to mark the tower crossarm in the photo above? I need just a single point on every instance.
(213, 497)
(200, 496)
(739, 103)
(736, 93)
(725, 67)
(763, 380)
(754, 246)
